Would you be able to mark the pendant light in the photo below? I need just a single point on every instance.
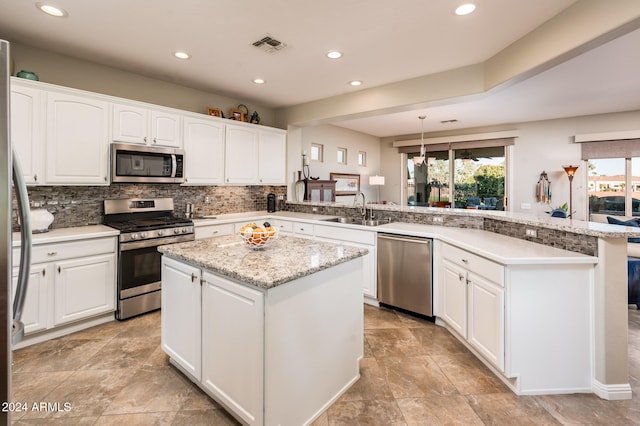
(419, 160)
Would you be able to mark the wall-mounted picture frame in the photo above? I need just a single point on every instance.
(346, 183)
(237, 114)
(215, 112)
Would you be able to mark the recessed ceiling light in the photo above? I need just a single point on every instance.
(334, 54)
(465, 9)
(355, 82)
(259, 81)
(51, 10)
(182, 55)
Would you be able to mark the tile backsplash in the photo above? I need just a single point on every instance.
(83, 205)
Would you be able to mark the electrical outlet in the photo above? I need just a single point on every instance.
(314, 209)
(280, 197)
(531, 233)
(437, 219)
(206, 200)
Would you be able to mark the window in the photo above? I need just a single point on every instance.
(317, 152)
(609, 183)
(479, 178)
(342, 155)
(613, 168)
(362, 158)
(428, 181)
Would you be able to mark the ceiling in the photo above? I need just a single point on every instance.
(383, 42)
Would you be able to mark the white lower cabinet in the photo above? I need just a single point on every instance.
(84, 287)
(233, 351)
(359, 238)
(454, 297)
(68, 282)
(181, 315)
(36, 308)
(229, 361)
(472, 301)
(486, 319)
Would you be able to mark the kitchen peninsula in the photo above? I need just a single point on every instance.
(275, 335)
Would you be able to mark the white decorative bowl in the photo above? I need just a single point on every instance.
(259, 238)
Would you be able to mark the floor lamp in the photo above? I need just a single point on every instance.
(571, 171)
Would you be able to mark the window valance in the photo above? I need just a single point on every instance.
(628, 148)
(434, 147)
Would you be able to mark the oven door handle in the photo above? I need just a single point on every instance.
(133, 245)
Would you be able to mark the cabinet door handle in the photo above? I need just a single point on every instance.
(52, 253)
(35, 177)
(461, 276)
(154, 140)
(145, 139)
(59, 270)
(44, 271)
(215, 232)
(465, 260)
(193, 277)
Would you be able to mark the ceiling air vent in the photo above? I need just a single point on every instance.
(269, 44)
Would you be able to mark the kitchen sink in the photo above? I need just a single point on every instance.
(353, 221)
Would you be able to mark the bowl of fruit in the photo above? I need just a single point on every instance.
(258, 237)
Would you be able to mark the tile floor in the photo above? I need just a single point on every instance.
(413, 373)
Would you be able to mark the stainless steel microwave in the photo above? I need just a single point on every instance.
(146, 164)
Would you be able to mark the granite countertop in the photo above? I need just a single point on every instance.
(75, 233)
(594, 229)
(256, 215)
(285, 259)
(498, 248)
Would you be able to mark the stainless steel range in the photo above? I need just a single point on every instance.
(144, 224)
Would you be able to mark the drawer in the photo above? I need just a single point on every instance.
(43, 253)
(282, 225)
(478, 265)
(214, 230)
(346, 234)
(300, 228)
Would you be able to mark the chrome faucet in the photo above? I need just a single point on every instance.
(363, 210)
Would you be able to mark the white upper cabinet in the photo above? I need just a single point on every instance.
(25, 131)
(204, 149)
(62, 136)
(272, 157)
(77, 139)
(241, 155)
(142, 125)
(165, 129)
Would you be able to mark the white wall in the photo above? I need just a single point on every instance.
(67, 71)
(331, 138)
(541, 146)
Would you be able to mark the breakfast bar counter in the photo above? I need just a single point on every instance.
(274, 335)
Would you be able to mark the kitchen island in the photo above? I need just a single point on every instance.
(274, 335)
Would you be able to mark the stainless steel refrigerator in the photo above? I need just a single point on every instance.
(11, 302)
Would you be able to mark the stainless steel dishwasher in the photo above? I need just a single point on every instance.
(405, 273)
